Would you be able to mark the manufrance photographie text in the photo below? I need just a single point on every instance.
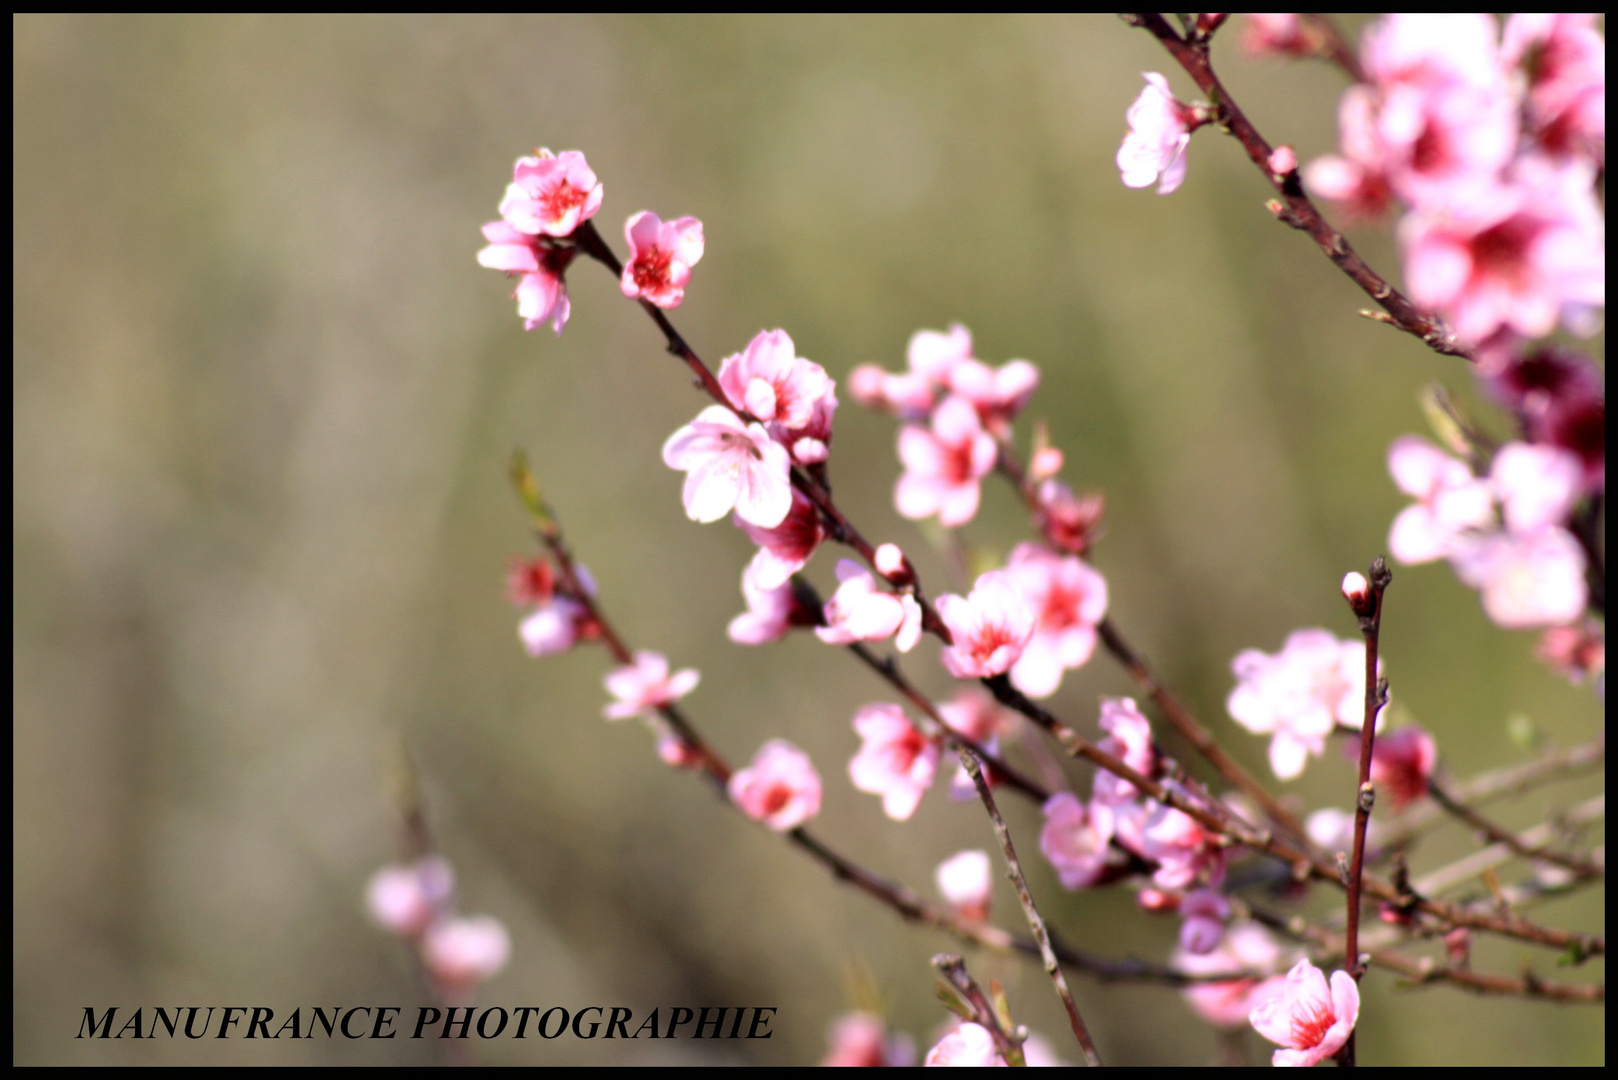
(429, 1022)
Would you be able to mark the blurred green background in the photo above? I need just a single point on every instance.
(264, 402)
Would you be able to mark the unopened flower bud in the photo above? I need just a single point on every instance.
(1283, 160)
(890, 563)
(1046, 463)
(1357, 591)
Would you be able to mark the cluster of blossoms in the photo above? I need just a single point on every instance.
(416, 902)
(558, 618)
(1298, 696)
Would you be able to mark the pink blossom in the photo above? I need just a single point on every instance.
(1159, 132)
(861, 1040)
(661, 255)
(551, 194)
(780, 788)
(1577, 651)
(1068, 522)
(530, 582)
(1432, 50)
(1565, 59)
(405, 899)
(554, 628)
(976, 715)
(541, 293)
(464, 952)
(1523, 254)
(1075, 839)
(968, 1046)
(1536, 485)
(674, 751)
(770, 613)
(891, 563)
(1357, 178)
(811, 443)
(964, 882)
(1129, 738)
(1069, 600)
(998, 394)
(1436, 141)
(1560, 397)
(772, 382)
(989, 628)
(906, 395)
(895, 760)
(943, 466)
(1246, 948)
(1182, 848)
(1310, 1020)
(934, 354)
(1526, 579)
(786, 548)
(646, 686)
(1299, 694)
(729, 464)
(1401, 764)
(1357, 591)
(1450, 500)
(1277, 33)
(1205, 913)
(859, 611)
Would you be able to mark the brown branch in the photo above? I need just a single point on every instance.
(984, 1014)
(1333, 46)
(1293, 207)
(1026, 898)
(1496, 834)
(1470, 866)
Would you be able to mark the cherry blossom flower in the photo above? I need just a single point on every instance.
(1449, 498)
(1432, 50)
(1565, 59)
(1205, 913)
(530, 582)
(555, 627)
(1068, 522)
(998, 394)
(729, 464)
(1536, 485)
(859, 611)
(1578, 651)
(895, 761)
(405, 899)
(1333, 829)
(1357, 179)
(466, 951)
(646, 686)
(811, 443)
(861, 1039)
(1357, 591)
(1401, 764)
(989, 628)
(943, 466)
(968, 1046)
(770, 613)
(1246, 948)
(964, 882)
(1526, 579)
(907, 394)
(661, 255)
(786, 548)
(1182, 848)
(1435, 142)
(1075, 839)
(1299, 694)
(934, 354)
(1159, 132)
(780, 788)
(976, 715)
(674, 751)
(551, 194)
(1279, 33)
(1129, 738)
(1310, 1020)
(541, 291)
(1069, 600)
(772, 382)
(1560, 397)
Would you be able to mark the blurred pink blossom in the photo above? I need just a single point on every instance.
(465, 951)
(860, 611)
(780, 788)
(1129, 738)
(944, 464)
(1401, 764)
(661, 255)
(965, 882)
(1068, 522)
(1299, 694)
(1560, 397)
(1449, 500)
(1526, 579)
(646, 686)
(1068, 599)
(968, 1046)
(989, 628)
(1436, 141)
(1432, 50)
(772, 382)
(541, 291)
(1205, 913)
(785, 548)
(405, 899)
(934, 354)
(861, 1040)
(998, 394)
(973, 713)
(729, 464)
(895, 760)
(554, 627)
(770, 613)
(1308, 1019)
(1564, 58)
(1357, 178)
(551, 194)
(1076, 839)
(1578, 650)
(1276, 33)
(1536, 485)
(1159, 131)
(1182, 848)
(1246, 948)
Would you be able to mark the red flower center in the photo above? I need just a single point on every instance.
(560, 198)
(1501, 252)
(776, 799)
(1310, 1022)
(651, 269)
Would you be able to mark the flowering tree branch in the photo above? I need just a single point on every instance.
(983, 1013)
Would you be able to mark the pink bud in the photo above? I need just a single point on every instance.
(1357, 591)
(462, 952)
(1046, 463)
(890, 561)
(1283, 161)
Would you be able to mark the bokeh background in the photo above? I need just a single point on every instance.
(264, 403)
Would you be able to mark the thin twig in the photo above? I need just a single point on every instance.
(984, 1014)
(1469, 867)
(1581, 866)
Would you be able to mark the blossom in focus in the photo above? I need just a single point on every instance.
(1075, 839)
(770, 613)
(541, 291)
(1129, 738)
(405, 899)
(1536, 485)
(785, 549)
(646, 686)
(780, 788)
(1159, 132)
(860, 611)
(1068, 599)
(1205, 913)
(1309, 1019)
(551, 194)
(771, 381)
(1578, 650)
(465, 951)
(1402, 763)
(661, 255)
(964, 882)
(1526, 579)
(1449, 500)
(895, 760)
(989, 628)
(944, 464)
(1565, 59)
(968, 1046)
(729, 464)
(1299, 694)
(861, 1040)
(1246, 948)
